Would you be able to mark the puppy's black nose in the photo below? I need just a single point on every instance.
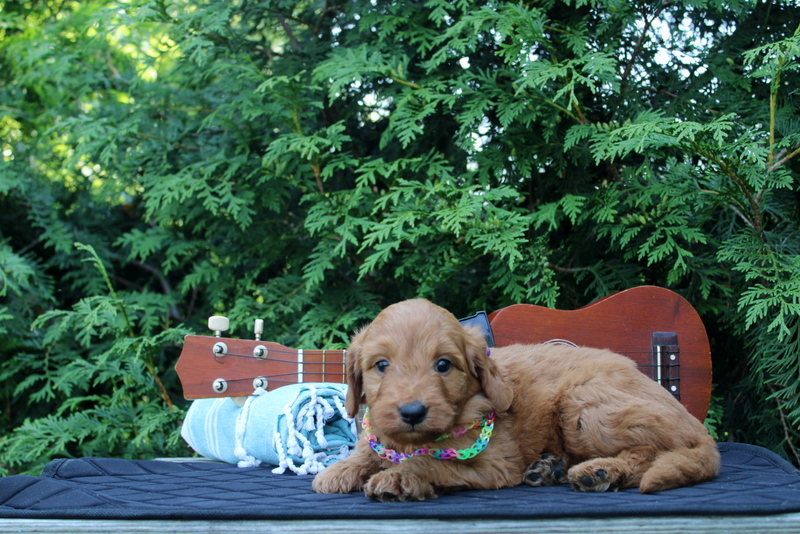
(413, 413)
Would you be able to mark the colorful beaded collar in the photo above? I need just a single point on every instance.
(486, 425)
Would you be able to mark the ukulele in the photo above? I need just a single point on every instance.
(655, 327)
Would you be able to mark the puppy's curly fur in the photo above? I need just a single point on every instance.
(581, 416)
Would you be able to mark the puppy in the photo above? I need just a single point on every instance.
(445, 413)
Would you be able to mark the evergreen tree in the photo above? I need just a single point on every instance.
(308, 163)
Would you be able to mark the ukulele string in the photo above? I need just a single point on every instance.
(309, 365)
(306, 353)
(273, 378)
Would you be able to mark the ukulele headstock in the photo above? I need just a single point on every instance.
(216, 366)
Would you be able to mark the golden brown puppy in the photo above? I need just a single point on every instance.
(539, 414)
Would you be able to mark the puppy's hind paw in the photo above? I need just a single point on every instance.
(595, 482)
(549, 470)
(594, 477)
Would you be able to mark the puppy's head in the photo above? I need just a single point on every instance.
(421, 373)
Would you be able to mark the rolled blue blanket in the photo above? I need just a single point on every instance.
(300, 427)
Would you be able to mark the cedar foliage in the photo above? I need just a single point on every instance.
(308, 163)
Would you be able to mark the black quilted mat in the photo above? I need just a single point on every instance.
(752, 481)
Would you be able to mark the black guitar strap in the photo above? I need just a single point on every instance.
(481, 320)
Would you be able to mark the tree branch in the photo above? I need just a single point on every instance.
(640, 45)
(756, 221)
(325, 10)
(289, 33)
(166, 287)
(786, 432)
(783, 160)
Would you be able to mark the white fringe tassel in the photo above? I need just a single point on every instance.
(311, 417)
(245, 460)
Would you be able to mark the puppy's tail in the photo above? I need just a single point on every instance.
(682, 467)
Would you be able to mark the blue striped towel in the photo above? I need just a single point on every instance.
(300, 427)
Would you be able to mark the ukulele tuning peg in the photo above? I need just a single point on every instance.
(258, 329)
(218, 324)
(220, 385)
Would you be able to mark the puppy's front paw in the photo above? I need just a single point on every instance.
(398, 485)
(595, 476)
(549, 470)
(341, 477)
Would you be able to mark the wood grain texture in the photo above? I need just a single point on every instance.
(624, 323)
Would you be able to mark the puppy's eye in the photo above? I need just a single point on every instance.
(443, 365)
(381, 366)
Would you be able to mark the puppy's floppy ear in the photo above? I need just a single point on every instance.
(354, 384)
(482, 366)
